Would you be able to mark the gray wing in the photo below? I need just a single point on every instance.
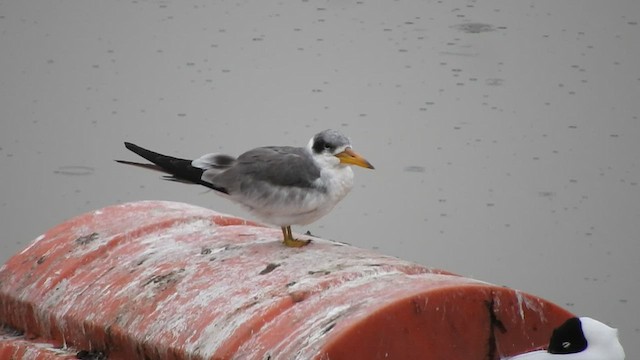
(270, 166)
(214, 161)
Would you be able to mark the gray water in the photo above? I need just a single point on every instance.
(505, 134)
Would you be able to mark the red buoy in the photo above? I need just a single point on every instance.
(164, 280)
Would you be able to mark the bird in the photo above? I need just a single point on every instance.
(580, 338)
(280, 185)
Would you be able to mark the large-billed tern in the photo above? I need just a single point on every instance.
(281, 185)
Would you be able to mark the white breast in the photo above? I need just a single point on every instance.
(302, 206)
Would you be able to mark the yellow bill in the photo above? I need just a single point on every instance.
(350, 157)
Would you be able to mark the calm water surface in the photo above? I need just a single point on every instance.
(504, 134)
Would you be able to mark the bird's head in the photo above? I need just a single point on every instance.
(334, 148)
(577, 335)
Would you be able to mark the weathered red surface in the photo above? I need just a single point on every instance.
(14, 345)
(163, 280)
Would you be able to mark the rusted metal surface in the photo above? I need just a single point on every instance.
(163, 280)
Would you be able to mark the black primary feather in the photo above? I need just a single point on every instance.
(179, 169)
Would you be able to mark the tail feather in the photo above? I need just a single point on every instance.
(179, 169)
(142, 165)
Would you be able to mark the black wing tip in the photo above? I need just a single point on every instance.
(130, 145)
(173, 176)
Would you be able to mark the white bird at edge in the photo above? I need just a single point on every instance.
(580, 339)
(281, 185)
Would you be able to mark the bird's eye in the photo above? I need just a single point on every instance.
(327, 146)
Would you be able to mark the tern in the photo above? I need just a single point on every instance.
(281, 185)
(580, 339)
